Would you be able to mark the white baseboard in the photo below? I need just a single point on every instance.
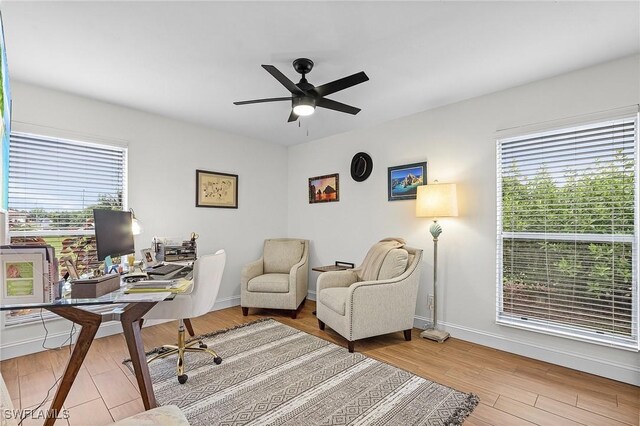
(578, 361)
(54, 340)
(598, 366)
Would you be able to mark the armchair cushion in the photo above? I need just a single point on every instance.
(281, 255)
(335, 298)
(269, 283)
(394, 264)
(167, 415)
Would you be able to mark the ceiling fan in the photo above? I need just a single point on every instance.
(305, 97)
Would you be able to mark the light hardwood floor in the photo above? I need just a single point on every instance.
(513, 390)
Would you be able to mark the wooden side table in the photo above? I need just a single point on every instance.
(337, 266)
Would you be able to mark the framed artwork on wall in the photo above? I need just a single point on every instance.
(215, 189)
(324, 189)
(403, 181)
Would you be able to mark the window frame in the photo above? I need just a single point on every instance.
(36, 317)
(85, 143)
(553, 328)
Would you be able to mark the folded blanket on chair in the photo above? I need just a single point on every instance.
(372, 263)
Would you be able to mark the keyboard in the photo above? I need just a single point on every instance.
(164, 269)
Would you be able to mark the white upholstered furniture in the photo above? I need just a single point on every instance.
(279, 279)
(168, 415)
(207, 276)
(360, 309)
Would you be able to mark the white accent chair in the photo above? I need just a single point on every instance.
(360, 309)
(279, 279)
(207, 275)
(167, 415)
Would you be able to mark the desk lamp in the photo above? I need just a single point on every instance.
(436, 200)
(136, 228)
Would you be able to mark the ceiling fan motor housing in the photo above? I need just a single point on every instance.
(303, 65)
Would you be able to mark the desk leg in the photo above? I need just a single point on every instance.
(90, 323)
(130, 320)
(187, 324)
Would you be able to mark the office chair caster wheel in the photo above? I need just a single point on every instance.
(182, 379)
(217, 360)
(203, 346)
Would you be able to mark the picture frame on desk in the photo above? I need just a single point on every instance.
(216, 189)
(68, 264)
(22, 278)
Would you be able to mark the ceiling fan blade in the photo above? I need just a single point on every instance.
(292, 117)
(341, 84)
(337, 106)
(290, 85)
(259, 101)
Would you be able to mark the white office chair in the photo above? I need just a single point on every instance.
(207, 276)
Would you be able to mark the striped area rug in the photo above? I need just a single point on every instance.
(273, 374)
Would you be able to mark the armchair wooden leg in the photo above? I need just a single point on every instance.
(294, 313)
(407, 335)
(245, 311)
(321, 325)
(189, 327)
(351, 345)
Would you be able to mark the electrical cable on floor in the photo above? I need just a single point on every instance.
(69, 339)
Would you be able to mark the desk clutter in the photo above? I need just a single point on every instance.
(174, 249)
(152, 286)
(95, 287)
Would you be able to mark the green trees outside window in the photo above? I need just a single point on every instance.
(568, 234)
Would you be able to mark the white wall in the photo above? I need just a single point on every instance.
(163, 157)
(458, 142)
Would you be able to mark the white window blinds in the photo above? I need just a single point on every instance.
(54, 184)
(567, 232)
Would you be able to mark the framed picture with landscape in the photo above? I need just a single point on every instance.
(214, 189)
(403, 181)
(324, 189)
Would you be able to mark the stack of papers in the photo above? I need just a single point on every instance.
(147, 297)
(152, 286)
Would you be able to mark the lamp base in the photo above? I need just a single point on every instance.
(433, 334)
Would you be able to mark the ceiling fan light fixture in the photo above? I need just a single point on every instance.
(304, 106)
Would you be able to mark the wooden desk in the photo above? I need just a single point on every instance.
(128, 313)
(90, 322)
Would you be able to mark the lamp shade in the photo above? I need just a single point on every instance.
(437, 200)
(136, 227)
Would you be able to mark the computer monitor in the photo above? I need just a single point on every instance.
(113, 233)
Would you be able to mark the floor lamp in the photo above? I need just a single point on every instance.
(436, 200)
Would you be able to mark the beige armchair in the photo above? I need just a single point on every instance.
(279, 279)
(360, 309)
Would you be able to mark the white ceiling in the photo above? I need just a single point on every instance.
(191, 60)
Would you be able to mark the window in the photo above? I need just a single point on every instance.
(53, 186)
(568, 231)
